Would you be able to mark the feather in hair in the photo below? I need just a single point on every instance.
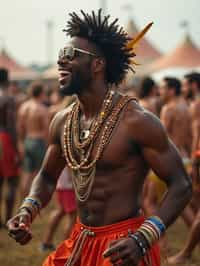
(131, 44)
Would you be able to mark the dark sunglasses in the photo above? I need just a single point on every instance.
(69, 53)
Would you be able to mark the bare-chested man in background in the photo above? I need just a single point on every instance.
(148, 95)
(193, 81)
(8, 151)
(33, 122)
(175, 116)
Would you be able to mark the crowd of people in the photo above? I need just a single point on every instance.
(125, 164)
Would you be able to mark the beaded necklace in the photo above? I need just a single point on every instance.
(84, 168)
(96, 124)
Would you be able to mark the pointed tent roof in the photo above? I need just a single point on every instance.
(17, 71)
(185, 55)
(145, 50)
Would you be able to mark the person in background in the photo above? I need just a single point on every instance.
(66, 207)
(32, 125)
(9, 159)
(148, 95)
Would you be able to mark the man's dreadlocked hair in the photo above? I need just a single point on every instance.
(108, 37)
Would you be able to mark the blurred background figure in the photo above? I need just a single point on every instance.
(66, 206)
(16, 92)
(148, 95)
(186, 90)
(8, 148)
(33, 123)
(175, 115)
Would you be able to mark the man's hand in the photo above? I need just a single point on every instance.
(123, 252)
(19, 227)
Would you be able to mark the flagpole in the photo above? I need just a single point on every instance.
(103, 6)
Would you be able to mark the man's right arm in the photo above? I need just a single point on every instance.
(44, 183)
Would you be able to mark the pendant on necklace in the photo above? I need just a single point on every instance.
(84, 134)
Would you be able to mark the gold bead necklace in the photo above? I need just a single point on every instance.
(84, 169)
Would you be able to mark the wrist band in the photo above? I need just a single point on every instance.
(25, 209)
(139, 244)
(32, 205)
(152, 229)
(33, 201)
(158, 222)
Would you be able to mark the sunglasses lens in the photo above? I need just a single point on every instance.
(61, 53)
(67, 52)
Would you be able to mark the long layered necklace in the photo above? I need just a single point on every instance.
(78, 151)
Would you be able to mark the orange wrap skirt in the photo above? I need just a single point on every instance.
(87, 244)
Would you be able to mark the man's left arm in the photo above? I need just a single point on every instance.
(164, 159)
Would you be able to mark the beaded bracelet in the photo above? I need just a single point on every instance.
(32, 205)
(147, 235)
(158, 222)
(25, 209)
(33, 201)
(152, 229)
(139, 243)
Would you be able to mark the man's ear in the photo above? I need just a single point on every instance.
(98, 65)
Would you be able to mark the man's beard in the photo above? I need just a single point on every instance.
(189, 94)
(75, 86)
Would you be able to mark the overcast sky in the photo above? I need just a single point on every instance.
(23, 23)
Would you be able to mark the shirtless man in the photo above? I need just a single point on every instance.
(109, 158)
(175, 115)
(148, 95)
(15, 91)
(32, 127)
(186, 89)
(8, 151)
(194, 233)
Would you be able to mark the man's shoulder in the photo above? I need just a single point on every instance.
(139, 121)
(25, 104)
(135, 113)
(58, 122)
(195, 108)
(63, 113)
(196, 104)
